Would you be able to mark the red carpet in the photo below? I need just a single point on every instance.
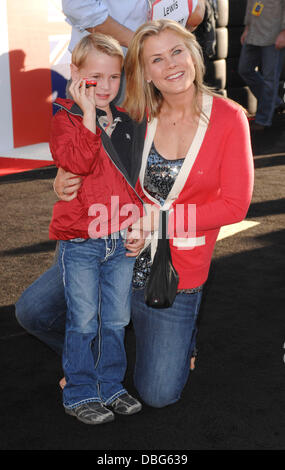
(17, 165)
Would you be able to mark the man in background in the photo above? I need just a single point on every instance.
(263, 46)
(116, 18)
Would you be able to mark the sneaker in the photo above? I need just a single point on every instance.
(126, 405)
(91, 413)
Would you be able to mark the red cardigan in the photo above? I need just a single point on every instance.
(220, 184)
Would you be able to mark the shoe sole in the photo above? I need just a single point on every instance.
(109, 419)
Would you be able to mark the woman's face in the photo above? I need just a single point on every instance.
(168, 63)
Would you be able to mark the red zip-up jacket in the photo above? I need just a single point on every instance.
(107, 201)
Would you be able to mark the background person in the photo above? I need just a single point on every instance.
(118, 19)
(263, 46)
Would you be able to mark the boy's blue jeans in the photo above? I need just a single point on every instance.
(97, 283)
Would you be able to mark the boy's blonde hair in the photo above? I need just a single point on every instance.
(140, 95)
(101, 42)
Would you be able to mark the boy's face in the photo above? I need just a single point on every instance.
(106, 70)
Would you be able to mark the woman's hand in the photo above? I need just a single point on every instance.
(66, 185)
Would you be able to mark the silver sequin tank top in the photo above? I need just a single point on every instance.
(160, 175)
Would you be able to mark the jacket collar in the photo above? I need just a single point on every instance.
(71, 107)
(189, 160)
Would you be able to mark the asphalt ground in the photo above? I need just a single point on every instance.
(234, 400)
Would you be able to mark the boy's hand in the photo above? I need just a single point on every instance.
(66, 185)
(135, 242)
(150, 221)
(85, 98)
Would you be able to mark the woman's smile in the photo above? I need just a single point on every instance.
(175, 76)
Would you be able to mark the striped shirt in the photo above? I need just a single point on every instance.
(265, 27)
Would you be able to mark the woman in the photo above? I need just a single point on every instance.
(197, 154)
(196, 160)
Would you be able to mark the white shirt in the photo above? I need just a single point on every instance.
(82, 14)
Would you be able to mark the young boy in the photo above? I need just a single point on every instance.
(92, 138)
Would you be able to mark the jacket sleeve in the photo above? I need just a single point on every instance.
(85, 14)
(73, 147)
(235, 182)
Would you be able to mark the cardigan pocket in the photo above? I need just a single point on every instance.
(189, 243)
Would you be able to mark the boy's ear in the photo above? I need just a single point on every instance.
(74, 72)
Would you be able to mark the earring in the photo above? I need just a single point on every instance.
(148, 81)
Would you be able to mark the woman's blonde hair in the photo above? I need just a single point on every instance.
(140, 95)
(101, 42)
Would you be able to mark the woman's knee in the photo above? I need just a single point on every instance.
(23, 313)
(42, 302)
(157, 397)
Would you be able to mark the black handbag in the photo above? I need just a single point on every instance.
(162, 283)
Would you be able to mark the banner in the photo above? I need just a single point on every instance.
(34, 66)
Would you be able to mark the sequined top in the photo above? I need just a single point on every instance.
(160, 175)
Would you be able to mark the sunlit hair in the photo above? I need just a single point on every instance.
(101, 42)
(140, 95)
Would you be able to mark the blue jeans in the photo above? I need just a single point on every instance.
(165, 340)
(97, 279)
(41, 309)
(160, 371)
(264, 82)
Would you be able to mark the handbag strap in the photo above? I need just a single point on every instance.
(163, 247)
(163, 224)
